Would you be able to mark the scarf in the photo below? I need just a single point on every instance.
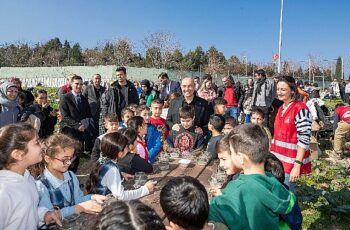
(259, 83)
(3, 98)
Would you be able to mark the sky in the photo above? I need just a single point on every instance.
(235, 27)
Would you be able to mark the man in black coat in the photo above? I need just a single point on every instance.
(76, 116)
(201, 108)
(121, 94)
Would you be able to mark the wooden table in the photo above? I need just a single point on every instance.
(201, 172)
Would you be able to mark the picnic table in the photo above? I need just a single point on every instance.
(201, 172)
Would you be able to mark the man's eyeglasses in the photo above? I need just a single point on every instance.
(66, 161)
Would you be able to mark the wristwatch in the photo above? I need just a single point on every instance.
(298, 162)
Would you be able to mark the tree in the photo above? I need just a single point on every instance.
(175, 60)
(216, 61)
(195, 59)
(123, 52)
(338, 69)
(76, 56)
(153, 57)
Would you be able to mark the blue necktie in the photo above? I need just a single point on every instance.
(79, 104)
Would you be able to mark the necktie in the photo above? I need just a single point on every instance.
(79, 104)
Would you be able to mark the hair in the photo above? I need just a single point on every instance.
(290, 81)
(122, 68)
(196, 77)
(231, 121)
(141, 108)
(111, 145)
(186, 111)
(219, 101)
(126, 215)
(338, 105)
(136, 122)
(111, 117)
(157, 101)
(96, 75)
(207, 77)
(260, 72)
(203, 85)
(258, 111)
(274, 166)
(14, 137)
(217, 121)
(184, 201)
(130, 134)
(70, 76)
(250, 140)
(174, 95)
(76, 77)
(223, 145)
(40, 91)
(163, 75)
(132, 107)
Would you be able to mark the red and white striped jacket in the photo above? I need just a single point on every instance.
(284, 143)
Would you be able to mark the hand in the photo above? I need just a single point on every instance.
(215, 192)
(150, 185)
(295, 173)
(53, 217)
(176, 127)
(90, 207)
(127, 176)
(81, 128)
(99, 198)
(45, 105)
(198, 130)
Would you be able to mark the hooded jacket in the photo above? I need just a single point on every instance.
(9, 110)
(19, 201)
(252, 201)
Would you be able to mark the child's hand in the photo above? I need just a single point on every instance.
(53, 217)
(215, 192)
(127, 176)
(150, 185)
(176, 127)
(198, 130)
(99, 198)
(90, 207)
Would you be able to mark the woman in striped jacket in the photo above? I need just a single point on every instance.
(292, 133)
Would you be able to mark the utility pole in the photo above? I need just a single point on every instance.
(310, 70)
(280, 40)
(342, 68)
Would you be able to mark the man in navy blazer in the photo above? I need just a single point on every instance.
(168, 86)
(76, 115)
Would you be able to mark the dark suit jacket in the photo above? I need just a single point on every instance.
(94, 102)
(201, 108)
(174, 87)
(72, 116)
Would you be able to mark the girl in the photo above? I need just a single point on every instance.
(59, 188)
(106, 178)
(132, 162)
(19, 199)
(9, 107)
(206, 91)
(139, 124)
(132, 215)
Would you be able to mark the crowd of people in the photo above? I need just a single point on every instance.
(260, 132)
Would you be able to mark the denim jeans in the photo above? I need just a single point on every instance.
(291, 185)
(233, 112)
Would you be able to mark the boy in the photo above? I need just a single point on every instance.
(255, 200)
(184, 201)
(186, 139)
(230, 123)
(215, 126)
(220, 106)
(126, 115)
(258, 117)
(341, 128)
(153, 137)
(157, 120)
(111, 123)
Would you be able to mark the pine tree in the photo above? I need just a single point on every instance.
(338, 71)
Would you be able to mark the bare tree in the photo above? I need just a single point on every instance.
(123, 51)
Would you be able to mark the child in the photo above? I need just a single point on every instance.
(132, 162)
(106, 177)
(157, 120)
(186, 139)
(255, 200)
(220, 106)
(126, 115)
(153, 137)
(139, 124)
(59, 188)
(19, 199)
(258, 117)
(111, 125)
(132, 107)
(230, 123)
(215, 126)
(126, 215)
(184, 201)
